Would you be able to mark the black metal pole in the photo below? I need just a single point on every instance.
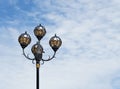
(37, 75)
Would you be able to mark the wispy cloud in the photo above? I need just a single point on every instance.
(89, 56)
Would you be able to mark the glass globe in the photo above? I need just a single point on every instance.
(24, 40)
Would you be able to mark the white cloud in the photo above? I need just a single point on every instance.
(90, 34)
(79, 74)
(89, 56)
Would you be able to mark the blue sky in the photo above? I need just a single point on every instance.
(89, 57)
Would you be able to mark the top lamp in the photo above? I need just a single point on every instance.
(39, 32)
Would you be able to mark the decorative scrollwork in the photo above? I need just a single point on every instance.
(27, 56)
(50, 58)
(33, 61)
(42, 62)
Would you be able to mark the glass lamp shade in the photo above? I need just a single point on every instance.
(37, 48)
(55, 42)
(24, 40)
(39, 32)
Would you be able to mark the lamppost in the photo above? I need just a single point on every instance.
(37, 49)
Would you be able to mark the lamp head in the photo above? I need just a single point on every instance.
(39, 32)
(55, 43)
(37, 50)
(24, 40)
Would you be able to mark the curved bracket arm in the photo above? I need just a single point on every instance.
(50, 58)
(27, 56)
